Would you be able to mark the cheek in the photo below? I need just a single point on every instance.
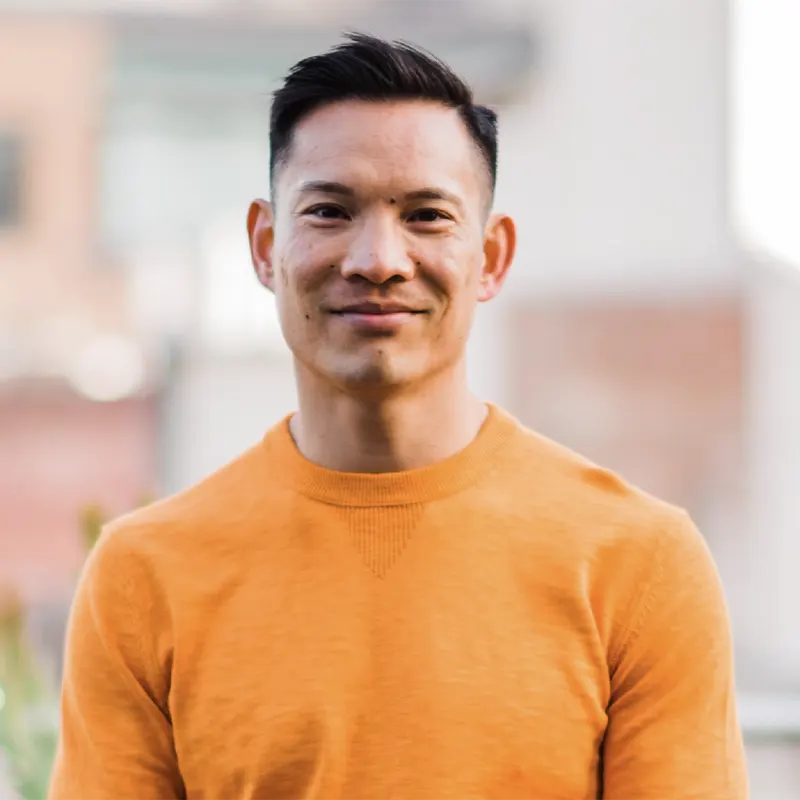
(307, 266)
(462, 286)
(459, 280)
(299, 299)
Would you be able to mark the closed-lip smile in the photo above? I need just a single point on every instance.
(376, 317)
(375, 308)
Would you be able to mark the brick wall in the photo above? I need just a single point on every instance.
(61, 453)
(652, 390)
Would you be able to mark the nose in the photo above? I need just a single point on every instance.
(378, 253)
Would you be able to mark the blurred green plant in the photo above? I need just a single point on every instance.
(92, 521)
(29, 712)
(29, 696)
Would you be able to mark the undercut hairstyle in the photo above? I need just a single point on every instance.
(375, 70)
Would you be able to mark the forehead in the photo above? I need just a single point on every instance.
(386, 146)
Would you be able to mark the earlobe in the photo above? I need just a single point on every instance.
(499, 246)
(261, 232)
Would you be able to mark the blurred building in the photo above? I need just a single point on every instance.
(137, 352)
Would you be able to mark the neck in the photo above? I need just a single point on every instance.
(409, 430)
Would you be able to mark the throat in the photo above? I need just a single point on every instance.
(392, 437)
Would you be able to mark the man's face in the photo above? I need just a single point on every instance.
(378, 247)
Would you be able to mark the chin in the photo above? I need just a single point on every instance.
(369, 372)
(372, 376)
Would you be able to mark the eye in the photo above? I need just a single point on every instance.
(428, 215)
(326, 211)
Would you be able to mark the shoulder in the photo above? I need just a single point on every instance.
(217, 504)
(611, 543)
(143, 556)
(593, 501)
(227, 490)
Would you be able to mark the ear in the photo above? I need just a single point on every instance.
(261, 230)
(499, 246)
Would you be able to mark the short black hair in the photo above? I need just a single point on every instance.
(367, 68)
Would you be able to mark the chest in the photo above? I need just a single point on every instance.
(472, 685)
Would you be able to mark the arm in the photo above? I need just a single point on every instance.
(116, 737)
(673, 729)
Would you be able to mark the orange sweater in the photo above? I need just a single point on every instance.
(511, 623)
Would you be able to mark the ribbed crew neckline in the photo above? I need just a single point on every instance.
(355, 489)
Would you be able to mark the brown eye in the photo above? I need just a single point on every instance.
(326, 211)
(427, 215)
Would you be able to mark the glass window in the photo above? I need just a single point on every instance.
(10, 179)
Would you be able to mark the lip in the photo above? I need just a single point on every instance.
(374, 308)
(376, 317)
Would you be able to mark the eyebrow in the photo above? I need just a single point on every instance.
(336, 188)
(327, 187)
(432, 193)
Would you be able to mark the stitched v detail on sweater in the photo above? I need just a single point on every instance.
(380, 534)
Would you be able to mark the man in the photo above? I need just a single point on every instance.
(400, 592)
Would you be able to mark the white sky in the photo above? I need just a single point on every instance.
(766, 125)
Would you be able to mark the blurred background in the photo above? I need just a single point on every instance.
(649, 153)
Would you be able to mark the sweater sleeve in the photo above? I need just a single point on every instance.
(116, 737)
(673, 729)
